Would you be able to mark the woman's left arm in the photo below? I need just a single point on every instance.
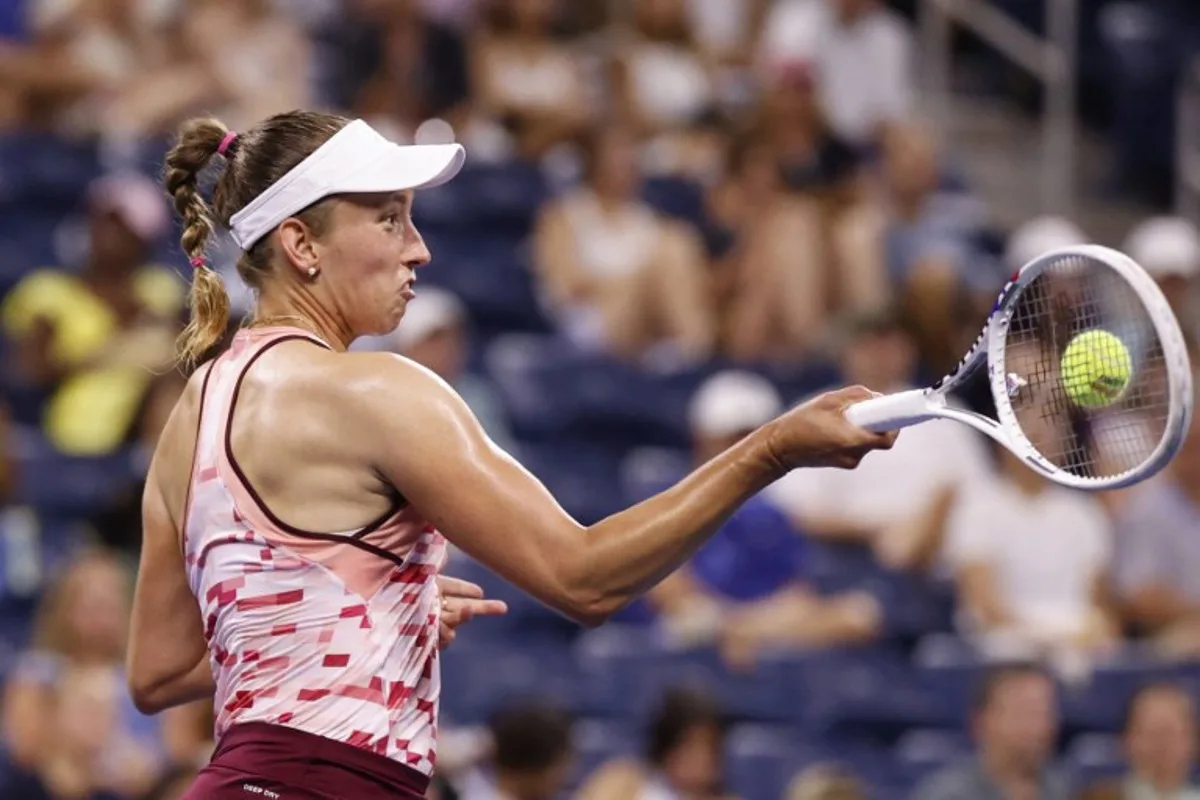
(167, 663)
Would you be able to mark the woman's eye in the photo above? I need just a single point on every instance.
(392, 219)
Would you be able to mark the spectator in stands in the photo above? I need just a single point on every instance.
(400, 68)
(92, 337)
(1158, 555)
(898, 503)
(260, 59)
(1038, 236)
(1014, 722)
(82, 56)
(770, 276)
(35, 545)
(746, 587)
(526, 79)
(789, 263)
(81, 717)
(927, 239)
(434, 333)
(1169, 249)
(663, 82)
(683, 756)
(1031, 559)
(531, 757)
(822, 782)
(81, 624)
(613, 272)
(1160, 745)
(862, 54)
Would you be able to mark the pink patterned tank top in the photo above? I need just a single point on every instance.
(331, 634)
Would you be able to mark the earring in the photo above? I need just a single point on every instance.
(312, 272)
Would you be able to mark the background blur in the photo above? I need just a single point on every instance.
(678, 217)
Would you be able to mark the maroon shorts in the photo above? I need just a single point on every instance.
(257, 761)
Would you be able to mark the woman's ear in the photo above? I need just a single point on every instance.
(299, 246)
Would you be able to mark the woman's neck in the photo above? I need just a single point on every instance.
(301, 310)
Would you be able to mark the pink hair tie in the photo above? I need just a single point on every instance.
(226, 142)
(198, 262)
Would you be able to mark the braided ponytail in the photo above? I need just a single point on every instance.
(199, 141)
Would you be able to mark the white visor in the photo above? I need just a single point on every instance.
(356, 160)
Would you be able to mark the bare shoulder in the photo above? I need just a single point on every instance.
(171, 467)
(371, 384)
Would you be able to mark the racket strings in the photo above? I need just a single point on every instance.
(1119, 425)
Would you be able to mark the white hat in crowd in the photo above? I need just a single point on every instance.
(1038, 236)
(1166, 247)
(432, 310)
(733, 402)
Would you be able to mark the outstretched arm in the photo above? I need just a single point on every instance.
(438, 456)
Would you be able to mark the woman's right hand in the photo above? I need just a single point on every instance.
(817, 433)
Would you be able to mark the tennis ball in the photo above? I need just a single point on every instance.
(1096, 368)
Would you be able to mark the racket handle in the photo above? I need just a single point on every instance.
(895, 411)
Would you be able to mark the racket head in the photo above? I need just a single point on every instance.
(1054, 298)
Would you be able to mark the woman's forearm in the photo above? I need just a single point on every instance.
(195, 684)
(629, 552)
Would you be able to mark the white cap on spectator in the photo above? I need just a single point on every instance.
(136, 199)
(1039, 236)
(733, 402)
(432, 310)
(1166, 247)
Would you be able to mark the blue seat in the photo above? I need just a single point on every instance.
(491, 276)
(480, 678)
(869, 690)
(551, 390)
(626, 669)
(597, 741)
(1093, 757)
(1146, 49)
(73, 486)
(761, 760)
(1100, 704)
(28, 237)
(583, 477)
(676, 197)
(648, 470)
(524, 369)
(506, 196)
(921, 752)
(45, 169)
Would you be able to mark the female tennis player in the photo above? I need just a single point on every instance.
(300, 493)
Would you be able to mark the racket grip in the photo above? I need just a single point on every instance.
(894, 411)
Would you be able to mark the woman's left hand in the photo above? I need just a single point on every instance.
(462, 601)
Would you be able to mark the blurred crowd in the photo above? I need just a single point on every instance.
(681, 217)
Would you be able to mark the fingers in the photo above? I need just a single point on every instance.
(456, 587)
(488, 608)
(850, 395)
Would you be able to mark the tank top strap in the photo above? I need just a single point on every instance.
(210, 463)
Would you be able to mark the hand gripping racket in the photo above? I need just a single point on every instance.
(1066, 434)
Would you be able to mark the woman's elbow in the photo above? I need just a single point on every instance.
(146, 695)
(591, 610)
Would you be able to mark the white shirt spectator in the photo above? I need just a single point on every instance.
(1046, 551)
(887, 488)
(864, 68)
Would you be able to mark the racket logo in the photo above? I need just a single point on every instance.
(1014, 383)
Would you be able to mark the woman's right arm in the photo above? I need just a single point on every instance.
(434, 451)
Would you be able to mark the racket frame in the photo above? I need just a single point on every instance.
(895, 411)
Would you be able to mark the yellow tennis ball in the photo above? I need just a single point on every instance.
(1096, 368)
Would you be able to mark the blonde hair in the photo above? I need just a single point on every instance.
(253, 161)
(825, 782)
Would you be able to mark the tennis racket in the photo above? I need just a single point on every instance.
(1041, 310)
